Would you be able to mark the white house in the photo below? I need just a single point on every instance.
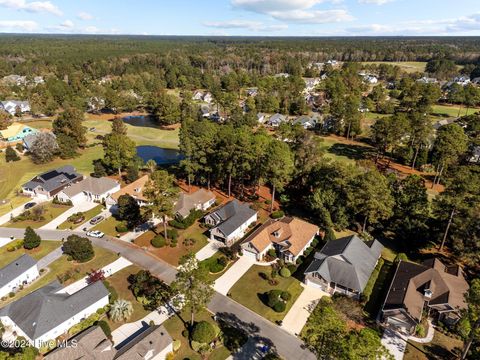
(370, 79)
(276, 119)
(261, 117)
(208, 98)
(11, 106)
(89, 189)
(47, 313)
(19, 272)
(230, 222)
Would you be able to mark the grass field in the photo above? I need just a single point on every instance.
(13, 203)
(342, 151)
(107, 226)
(250, 296)
(407, 66)
(440, 348)
(45, 247)
(88, 215)
(451, 110)
(52, 211)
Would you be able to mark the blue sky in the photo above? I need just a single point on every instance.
(243, 17)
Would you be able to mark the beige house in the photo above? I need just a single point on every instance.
(199, 200)
(89, 189)
(135, 190)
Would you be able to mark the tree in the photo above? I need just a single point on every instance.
(161, 192)
(388, 132)
(193, 283)
(278, 166)
(44, 148)
(119, 127)
(203, 332)
(121, 310)
(69, 131)
(151, 165)
(472, 316)
(166, 108)
(129, 211)
(365, 345)
(67, 146)
(31, 239)
(149, 290)
(5, 120)
(132, 172)
(119, 151)
(79, 248)
(11, 154)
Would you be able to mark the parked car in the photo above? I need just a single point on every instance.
(95, 234)
(96, 219)
(29, 205)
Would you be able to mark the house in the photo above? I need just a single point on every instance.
(205, 110)
(134, 189)
(16, 132)
(37, 80)
(30, 139)
(49, 312)
(14, 80)
(344, 266)
(276, 119)
(252, 92)
(50, 183)
(307, 122)
(89, 189)
(230, 222)
(427, 80)
(95, 103)
(197, 95)
(462, 80)
(289, 236)
(208, 98)
(417, 287)
(92, 344)
(261, 117)
(199, 200)
(281, 75)
(437, 125)
(476, 80)
(370, 79)
(311, 83)
(12, 106)
(19, 272)
(475, 155)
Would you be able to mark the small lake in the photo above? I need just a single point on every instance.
(140, 120)
(160, 155)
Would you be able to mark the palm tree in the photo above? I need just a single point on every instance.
(151, 165)
(121, 310)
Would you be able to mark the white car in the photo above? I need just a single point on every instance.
(95, 234)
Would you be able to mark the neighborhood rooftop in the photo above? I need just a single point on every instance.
(53, 179)
(232, 215)
(134, 189)
(92, 185)
(188, 202)
(16, 268)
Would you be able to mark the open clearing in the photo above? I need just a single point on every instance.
(408, 66)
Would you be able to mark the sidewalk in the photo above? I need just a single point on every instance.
(208, 250)
(225, 282)
(84, 206)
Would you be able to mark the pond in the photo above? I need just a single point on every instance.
(140, 120)
(160, 155)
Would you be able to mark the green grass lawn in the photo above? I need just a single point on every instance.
(52, 211)
(119, 282)
(107, 226)
(175, 326)
(440, 111)
(407, 66)
(88, 215)
(45, 247)
(212, 258)
(440, 348)
(13, 203)
(251, 286)
(343, 152)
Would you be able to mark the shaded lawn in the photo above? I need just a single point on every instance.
(88, 215)
(172, 255)
(45, 247)
(52, 211)
(107, 226)
(175, 327)
(60, 266)
(120, 283)
(440, 348)
(250, 296)
(343, 151)
(12, 203)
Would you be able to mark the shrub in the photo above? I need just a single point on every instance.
(229, 252)
(176, 345)
(172, 234)
(272, 253)
(77, 217)
(83, 324)
(286, 295)
(284, 272)
(203, 332)
(15, 246)
(19, 147)
(273, 296)
(189, 242)
(11, 155)
(279, 307)
(216, 267)
(314, 243)
(79, 248)
(158, 241)
(11, 294)
(299, 260)
(329, 235)
(292, 268)
(185, 334)
(222, 260)
(173, 243)
(420, 331)
(121, 228)
(31, 239)
(188, 221)
(277, 214)
(367, 291)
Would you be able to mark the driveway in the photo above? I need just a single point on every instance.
(82, 207)
(298, 314)
(49, 258)
(17, 211)
(225, 282)
(209, 249)
(395, 343)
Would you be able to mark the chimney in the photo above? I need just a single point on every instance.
(427, 294)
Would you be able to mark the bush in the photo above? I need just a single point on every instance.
(420, 331)
(272, 253)
(11, 294)
(11, 155)
(292, 268)
(222, 260)
(367, 291)
(229, 252)
(121, 228)
(176, 345)
(216, 267)
(329, 235)
(284, 272)
(189, 242)
(83, 324)
(76, 218)
(158, 241)
(314, 243)
(279, 307)
(203, 332)
(188, 221)
(277, 214)
(172, 234)
(286, 295)
(31, 239)
(15, 246)
(273, 296)
(400, 257)
(79, 248)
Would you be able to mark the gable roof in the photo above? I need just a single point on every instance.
(53, 179)
(291, 233)
(348, 261)
(16, 268)
(407, 290)
(97, 186)
(44, 309)
(188, 202)
(232, 215)
(134, 189)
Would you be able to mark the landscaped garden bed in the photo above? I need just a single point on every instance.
(38, 216)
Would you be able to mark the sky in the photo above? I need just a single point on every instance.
(243, 17)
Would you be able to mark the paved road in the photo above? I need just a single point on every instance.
(287, 346)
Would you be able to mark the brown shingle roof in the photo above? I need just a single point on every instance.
(135, 189)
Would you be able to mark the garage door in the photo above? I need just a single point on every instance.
(250, 254)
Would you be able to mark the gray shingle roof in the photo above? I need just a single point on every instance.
(16, 268)
(348, 261)
(45, 308)
(188, 202)
(232, 215)
(96, 186)
(54, 179)
(155, 338)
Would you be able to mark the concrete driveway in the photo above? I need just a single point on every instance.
(82, 207)
(395, 343)
(225, 282)
(298, 314)
(209, 249)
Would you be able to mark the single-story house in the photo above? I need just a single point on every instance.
(16, 132)
(370, 79)
(49, 312)
(199, 200)
(50, 183)
(20, 271)
(14, 79)
(344, 265)
(197, 95)
(252, 91)
(89, 189)
(31, 138)
(417, 287)
(289, 236)
(276, 119)
(261, 117)
(11, 106)
(92, 344)
(230, 221)
(307, 122)
(134, 189)
(427, 80)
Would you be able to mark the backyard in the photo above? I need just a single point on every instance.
(244, 293)
(45, 247)
(51, 211)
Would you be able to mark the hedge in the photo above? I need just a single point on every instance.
(279, 307)
(172, 234)
(158, 241)
(121, 228)
(367, 291)
(277, 214)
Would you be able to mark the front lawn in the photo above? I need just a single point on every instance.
(52, 211)
(440, 348)
(45, 247)
(88, 215)
(108, 225)
(119, 282)
(250, 289)
(214, 259)
(7, 205)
